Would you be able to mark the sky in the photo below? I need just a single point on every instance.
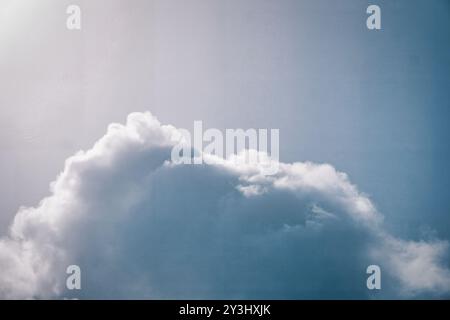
(372, 104)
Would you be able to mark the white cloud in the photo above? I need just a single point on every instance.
(140, 226)
(419, 266)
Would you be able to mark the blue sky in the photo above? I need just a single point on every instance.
(374, 104)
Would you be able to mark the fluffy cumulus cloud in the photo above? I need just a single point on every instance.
(140, 226)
